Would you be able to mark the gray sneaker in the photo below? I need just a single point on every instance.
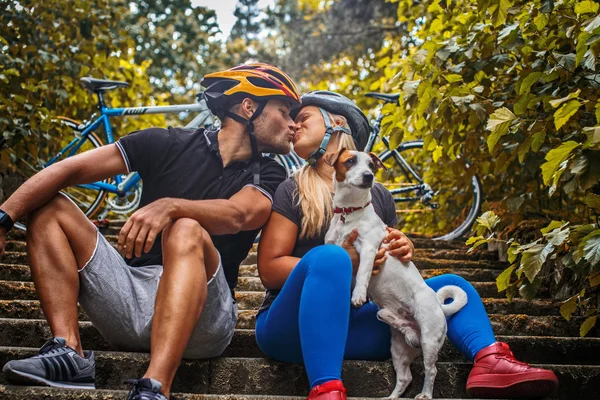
(56, 365)
(145, 389)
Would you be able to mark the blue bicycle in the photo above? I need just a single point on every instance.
(120, 194)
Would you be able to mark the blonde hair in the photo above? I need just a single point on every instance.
(314, 195)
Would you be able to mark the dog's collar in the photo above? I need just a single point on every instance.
(347, 210)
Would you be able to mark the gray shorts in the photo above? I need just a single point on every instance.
(119, 300)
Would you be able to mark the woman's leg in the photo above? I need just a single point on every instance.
(308, 321)
(368, 337)
(469, 330)
(496, 373)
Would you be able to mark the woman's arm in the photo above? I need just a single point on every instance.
(277, 241)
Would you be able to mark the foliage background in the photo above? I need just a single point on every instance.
(511, 86)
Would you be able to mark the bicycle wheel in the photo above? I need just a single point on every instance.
(437, 203)
(87, 199)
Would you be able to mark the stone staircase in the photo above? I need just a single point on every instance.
(535, 331)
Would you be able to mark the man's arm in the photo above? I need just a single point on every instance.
(87, 167)
(247, 210)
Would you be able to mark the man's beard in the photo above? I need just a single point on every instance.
(269, 140)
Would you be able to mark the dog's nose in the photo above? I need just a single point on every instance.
(368, 178)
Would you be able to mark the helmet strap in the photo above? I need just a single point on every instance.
(329, 130)
(253, 142)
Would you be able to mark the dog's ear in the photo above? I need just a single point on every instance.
(377, 161)
(331, 158)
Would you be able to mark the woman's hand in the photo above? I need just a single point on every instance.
(348, 245)
(400, 246)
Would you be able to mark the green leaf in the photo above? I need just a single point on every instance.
(591, 247)
(593, 24)
(499, 123)
(503, 280)
(533, 259)
(489, 220)
(547, 6)
(558, 102)
(451, 78)
(568, 307)
(554, 158)
(513, 251)
(499, 12)
(587, 325)
(557, 236)
(593, 201)
(595, 280)
(529, 81)
(540, 21)
(593, 136)
(538, 140)
(475, 242)
(586, 7)
(563, 114)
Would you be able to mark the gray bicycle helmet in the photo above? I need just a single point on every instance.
(336, 103)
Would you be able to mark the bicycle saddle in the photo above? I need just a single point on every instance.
(100, 85)
(388, 98)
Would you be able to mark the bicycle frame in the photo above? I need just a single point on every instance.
(123, 185)
(400, 161)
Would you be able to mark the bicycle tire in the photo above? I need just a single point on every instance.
(472, 210)
(97, 199)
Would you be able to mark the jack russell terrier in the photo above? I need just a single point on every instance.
(416, 314)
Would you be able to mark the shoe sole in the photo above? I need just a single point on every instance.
(28, 379)
(532, 387)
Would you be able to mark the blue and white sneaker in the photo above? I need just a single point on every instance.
(56, 365)
(145, 389)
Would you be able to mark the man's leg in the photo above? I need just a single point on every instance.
(60, 240)
(189, 260)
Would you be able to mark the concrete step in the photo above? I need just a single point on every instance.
(533, 349)
(248, 276)
(503, 324)
(257, 376)
(247, 300)
(421, 261)
(43, 393)
(30, 309)
(445, 254)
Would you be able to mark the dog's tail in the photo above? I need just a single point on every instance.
(455, 293)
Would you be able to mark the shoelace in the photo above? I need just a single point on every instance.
(136, 391)
(50, 347)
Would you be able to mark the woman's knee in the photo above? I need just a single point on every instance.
(329, 259)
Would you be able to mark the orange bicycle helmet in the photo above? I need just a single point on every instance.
(258, 81)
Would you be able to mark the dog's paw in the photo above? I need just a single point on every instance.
(359, 297)
(422, 397)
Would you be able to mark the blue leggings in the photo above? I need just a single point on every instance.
(311, 320)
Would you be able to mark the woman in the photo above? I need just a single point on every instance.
(306, 316)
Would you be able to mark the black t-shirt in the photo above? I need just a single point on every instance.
(185, 163)
(285, 203)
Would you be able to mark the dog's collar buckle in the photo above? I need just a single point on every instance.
(347, 210)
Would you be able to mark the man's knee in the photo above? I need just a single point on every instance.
(186, 235)
(54, 209)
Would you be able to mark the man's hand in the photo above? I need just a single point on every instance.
(141, 229)
(348, 245)
(399, 245)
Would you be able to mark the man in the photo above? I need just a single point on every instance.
(206, 194)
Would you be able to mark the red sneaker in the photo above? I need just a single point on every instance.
(496, 373)
(332, 390)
